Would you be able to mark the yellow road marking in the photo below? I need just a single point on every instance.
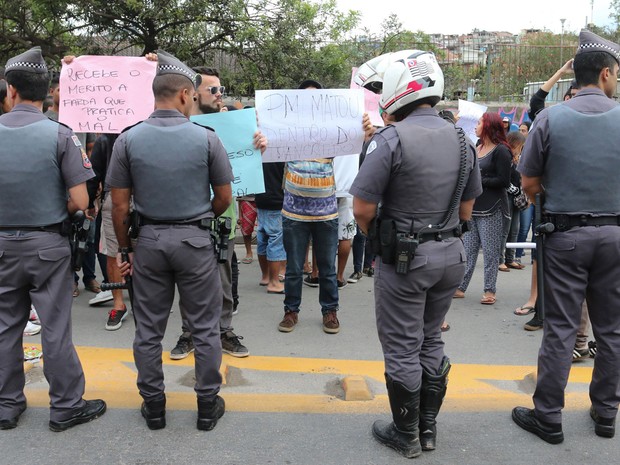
(110, 374)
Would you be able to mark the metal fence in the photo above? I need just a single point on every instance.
(483, 70)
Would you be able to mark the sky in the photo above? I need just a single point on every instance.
(461, 16)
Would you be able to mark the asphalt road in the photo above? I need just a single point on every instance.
(285, 402)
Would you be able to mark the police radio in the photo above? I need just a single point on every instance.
(406, 246)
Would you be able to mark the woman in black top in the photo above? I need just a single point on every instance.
(485, 227)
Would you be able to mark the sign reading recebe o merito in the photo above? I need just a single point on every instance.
(310, 123)
(106, 94)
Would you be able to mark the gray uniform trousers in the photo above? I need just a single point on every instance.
(225, 270)
(36, 267)
(410, 309)
(580, 263)
(165, 255)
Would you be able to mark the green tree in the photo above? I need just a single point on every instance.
(186, 28)
(48, 24)
(286, 41)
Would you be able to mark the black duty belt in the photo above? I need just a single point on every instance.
(202, 224)
(437, 236)
(566, 222)
(54, 228)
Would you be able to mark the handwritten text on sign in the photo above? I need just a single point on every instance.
(105, 94)
(304, 124)
(236, 131)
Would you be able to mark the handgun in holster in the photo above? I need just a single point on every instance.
(134, 225)
(387, 241)
(221, 231)
(78, 239)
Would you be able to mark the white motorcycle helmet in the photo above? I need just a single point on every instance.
(370, 74)
(408, 76)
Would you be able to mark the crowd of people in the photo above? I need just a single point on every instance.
(418, 236)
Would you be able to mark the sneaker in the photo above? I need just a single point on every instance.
(580, 354)
(288, 322)
(32, 329)
(235, 306)
(341, 284)
(331, 325)
(370, 272)
(115, 319)
(310, 281)
(355, 277)
(32, 354)
(102, 297)
(184, 347)
(93, 286)
(592, 348)
(34, 316)
(534, 324)
(232, 346)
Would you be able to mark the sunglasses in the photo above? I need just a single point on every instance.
(216, 89)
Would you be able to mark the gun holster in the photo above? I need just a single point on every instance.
(220, 230)
(387, 241)
(78, 239)
(134, 225)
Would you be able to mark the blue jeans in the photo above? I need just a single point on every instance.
(269, 235)
(362, 252)
(325, 245)
(526, 219)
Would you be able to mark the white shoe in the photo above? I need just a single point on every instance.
(31, 329)
(34, 317)
(101, 297)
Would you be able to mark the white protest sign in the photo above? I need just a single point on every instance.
(105, 93)
(310, 123)
(469, 114)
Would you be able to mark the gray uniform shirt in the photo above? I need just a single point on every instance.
(384, 155)
(74, 167)
(587, 101)
(119, 174)
(581, 186)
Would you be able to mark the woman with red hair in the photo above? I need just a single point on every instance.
(485, 227)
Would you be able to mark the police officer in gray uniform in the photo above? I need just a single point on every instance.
(573, 155)
(426, 177)
(42, 162)
(170, 164)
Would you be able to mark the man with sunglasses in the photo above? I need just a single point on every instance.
(209, 93)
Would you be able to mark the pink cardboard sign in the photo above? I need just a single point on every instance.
(371, 103)
(106, 94)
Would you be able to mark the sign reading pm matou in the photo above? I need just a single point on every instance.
(310, 123)
(105, 94)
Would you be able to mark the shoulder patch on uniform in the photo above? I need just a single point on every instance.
(76, 140)
(85, 160)
(371, 147)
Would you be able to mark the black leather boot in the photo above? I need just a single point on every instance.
(154, 412)
(209, 412)
(434, 387)
(402, 434)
